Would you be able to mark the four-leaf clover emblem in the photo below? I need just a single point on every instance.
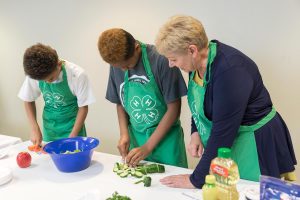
(54, 100)
(144, 109)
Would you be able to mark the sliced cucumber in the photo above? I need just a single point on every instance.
(125, 166)
(132, 171)
(120, 171)
(124, 174)
(138, 174)
(116, 167)
(142, 170)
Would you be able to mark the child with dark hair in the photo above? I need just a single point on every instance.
(66, 92)
(147, 94)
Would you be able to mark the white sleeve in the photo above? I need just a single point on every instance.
(30, 90)
(83, 90)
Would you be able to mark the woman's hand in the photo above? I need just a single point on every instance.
(123, 145)
(178, 181)
(195, 148)
(136, 155)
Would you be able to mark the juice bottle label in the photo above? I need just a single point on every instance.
(221, 171)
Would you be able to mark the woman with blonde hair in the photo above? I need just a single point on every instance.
(230, 106)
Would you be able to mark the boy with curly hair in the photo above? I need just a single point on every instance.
(66, 92)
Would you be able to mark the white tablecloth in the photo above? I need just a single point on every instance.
(6, 141)
(42, 181)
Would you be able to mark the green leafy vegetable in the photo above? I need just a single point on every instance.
(116, 196)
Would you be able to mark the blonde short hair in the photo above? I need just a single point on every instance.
(178, 33)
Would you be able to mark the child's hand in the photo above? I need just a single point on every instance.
(136, 155)
(73, 135)
(123, 146)
(195, 148)
(36, 136)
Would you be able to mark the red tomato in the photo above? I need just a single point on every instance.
(24, 159)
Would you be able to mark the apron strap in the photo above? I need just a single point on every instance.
(211, 56)
(244, 149)
(146, 61)
(259, 124)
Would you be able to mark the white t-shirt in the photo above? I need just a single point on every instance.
(77, 80)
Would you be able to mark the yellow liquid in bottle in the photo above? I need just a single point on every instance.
(227, 175)
(209, 189)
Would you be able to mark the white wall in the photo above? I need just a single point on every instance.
(268, 31)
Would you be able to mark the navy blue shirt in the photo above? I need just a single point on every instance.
(234, 96)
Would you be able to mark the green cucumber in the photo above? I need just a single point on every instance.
(142, 170)
(154, 168)
(125, 166)
(124, 174)
(132, 171)
(116, 167)
(138, 174)
(120, 171)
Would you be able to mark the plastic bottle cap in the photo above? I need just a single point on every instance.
(210, 179)
(224, 152)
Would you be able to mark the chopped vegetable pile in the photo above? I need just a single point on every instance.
(71, 152)
(123, 170)
(116, 196)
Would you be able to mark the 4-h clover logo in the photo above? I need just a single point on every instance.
(196, 116)
(54, 100)
(144, 109)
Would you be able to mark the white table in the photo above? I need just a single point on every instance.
(42, 181)
(6, 141)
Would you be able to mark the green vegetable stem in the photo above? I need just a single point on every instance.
(146, 180)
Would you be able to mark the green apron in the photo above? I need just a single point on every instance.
(145, 106)
(60, 109)
(244, 151)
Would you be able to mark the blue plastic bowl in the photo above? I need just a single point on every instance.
(72, 162)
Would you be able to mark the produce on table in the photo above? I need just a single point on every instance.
(71, 152)
(151, 168)
(116, 196)
(123, 170)
(24, 159)
(36, 148)
(146, 180)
